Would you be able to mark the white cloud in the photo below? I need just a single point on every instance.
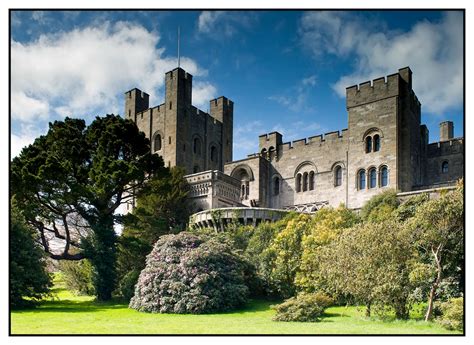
(433, 50)
(85, 72)
(218, 24)
(203, 92)
(295, 98)
(25, 137)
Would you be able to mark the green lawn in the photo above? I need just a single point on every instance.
(69, 314)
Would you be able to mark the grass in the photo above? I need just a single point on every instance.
(65, 313)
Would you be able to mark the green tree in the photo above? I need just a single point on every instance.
(380, 207)
(438, 231)
(161, 209)
(70, 182)
(371, 262)
(28, 276)
(326, 226)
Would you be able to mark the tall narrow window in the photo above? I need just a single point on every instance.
(305, 182)
(361, 179)
(264, 153)
(368, 144)
(157, 142)
(372, 178)
(197, 146)
(376, 143)
(444, 167)
(213, 154)
(338, 176)
(196, 169)
(311, 180)
(276, 186)
(298, 183)
(383, 177)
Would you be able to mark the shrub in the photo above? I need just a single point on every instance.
(126, 285)
(186, 274)
(380, 207)
(452, 314)
(78, 276)
(29, 280)
(303, 308)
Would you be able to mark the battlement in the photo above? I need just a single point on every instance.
(319, 140)
(178, 73)
(216, 102)
(379, 88)
(441, 148)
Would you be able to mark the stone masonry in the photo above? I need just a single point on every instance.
(385, 146)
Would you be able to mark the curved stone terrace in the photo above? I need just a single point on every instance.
(219, 218)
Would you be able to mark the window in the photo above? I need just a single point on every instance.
(376, 143)
(305, 182)
(311, 180)
(298, 183)
(444, 167)
(338, 176)
(276, 186)
(157, 142)
(372, 178)
(361, 179)
(171, 105)
(368, 144)
(197, 146)
(196, 169)
(264, 153)
(271, 153)
(213, 154)
(383, 177)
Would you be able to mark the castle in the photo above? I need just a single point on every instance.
(384, 146)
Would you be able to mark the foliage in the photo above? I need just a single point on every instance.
(303, 308)
(70, 182)
(29, 280)
(371, 262)
(452, 314)
(380, 206)
(407, 209)
(161, 209)
(326, 226)
(437, 229)
(185, 274)
(78, 276)
(285, 251)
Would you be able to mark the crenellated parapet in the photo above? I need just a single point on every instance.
(393, 85)
(444, 148)
(330, 138)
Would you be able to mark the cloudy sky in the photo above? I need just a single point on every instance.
(285, 70)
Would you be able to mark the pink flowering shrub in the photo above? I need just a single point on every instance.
(185, 273)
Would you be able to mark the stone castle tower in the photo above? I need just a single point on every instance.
(179, 132)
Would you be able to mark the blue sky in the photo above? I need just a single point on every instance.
(285, 70)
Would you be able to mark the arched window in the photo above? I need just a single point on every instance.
(368, 144)
(372, 178)
(311, 180)
(264, 153)
(361, 179)
(298, 183)
(157, 142)
(445, 167)
(276, 186)
(376, 143)
(383, 177)
(213, 154)
(195, 169)
(338, 176)
(197, 146)
(305, 182)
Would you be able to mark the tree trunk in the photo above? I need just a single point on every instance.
(367, 310)
(435, 284)
(101, 252)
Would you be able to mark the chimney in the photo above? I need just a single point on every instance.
(446, 129)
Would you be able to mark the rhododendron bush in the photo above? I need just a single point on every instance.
(186, 273)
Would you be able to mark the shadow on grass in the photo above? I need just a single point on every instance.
(70, 306)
